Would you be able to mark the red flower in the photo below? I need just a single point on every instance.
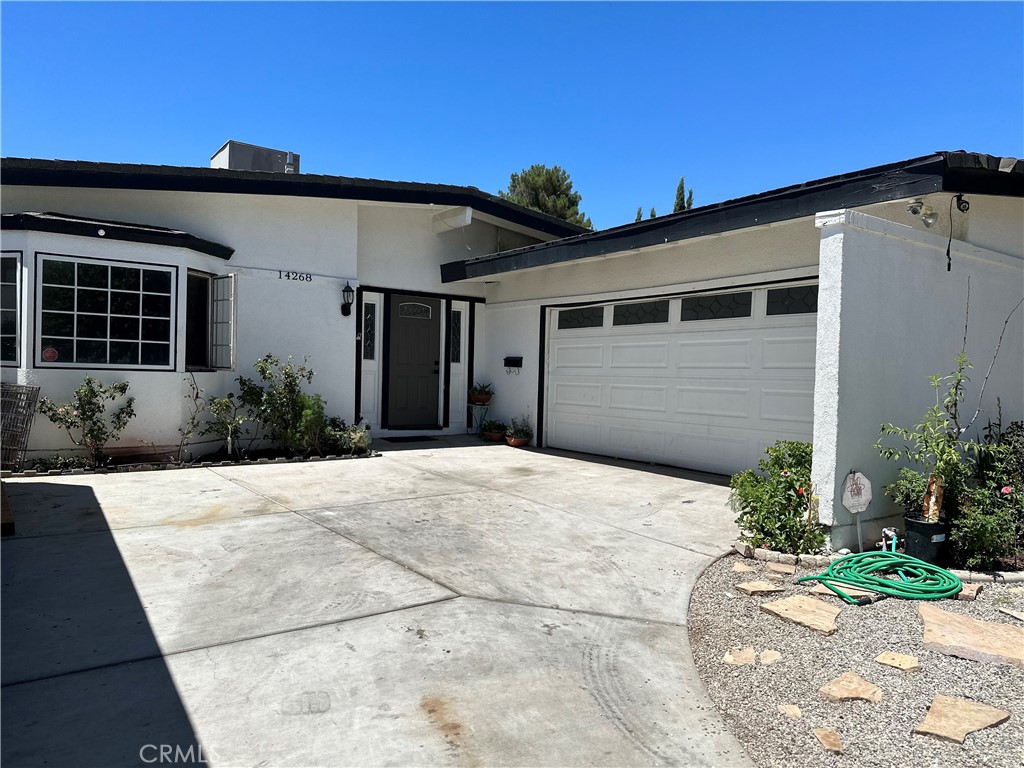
(800, 491)
(1006, 490)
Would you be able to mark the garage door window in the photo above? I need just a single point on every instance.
(799, 300)
(717, 307)
(584, 317)
(641, 314)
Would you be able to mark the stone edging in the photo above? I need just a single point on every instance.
(822, 561)
(126, 468)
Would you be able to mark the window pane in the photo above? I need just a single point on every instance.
(156, 306)
(124, 303)
(197, 322)
(8, 296)
(799, 300)
(93, 275)
(641, 314)
(8, 348)
(8, 269)
(456, 337)
(58, 324)
(717, 307)
(156, 354)
(584, 317)
(91, 326)
(64, 349)
(156, 282)
(125, 278)
(59, 299)
(58, 272)
(124, 353)
(369, 331)
(92, 301)
(124, 328)
(156, 330)
(8, 322)
(91, 352)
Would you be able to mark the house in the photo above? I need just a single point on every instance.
(813, 312)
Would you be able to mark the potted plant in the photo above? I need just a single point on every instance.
(480, 394)
(493, 430)
(935, 445)
(519, 433)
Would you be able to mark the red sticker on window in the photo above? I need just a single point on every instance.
(50, 355)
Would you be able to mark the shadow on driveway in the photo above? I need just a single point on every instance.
(83, 680)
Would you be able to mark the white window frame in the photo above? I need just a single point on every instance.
(223, 307)
(16, 360)
(42, 257)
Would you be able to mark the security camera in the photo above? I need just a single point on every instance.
(914, 207)
(962, 205)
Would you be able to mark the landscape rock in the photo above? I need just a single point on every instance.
(970, 592)
(952, 718)
(769, 657)
(967, 638)
(829, 739)
(743, 548)
(850, 685)
(899, 660)
(759, 588)
(741, 568)
(791, 711)
(806, 611)
(1015, 614)
(787, 559)
(781, 567)
(740, 657)
(762, 554)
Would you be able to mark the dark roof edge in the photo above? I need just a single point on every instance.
(79, 173)
(940, 172)
(65, 224)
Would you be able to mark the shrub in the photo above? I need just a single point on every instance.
(276, 404)
(342, 440)
(908, 491)
(984, 532)
(56, 461)
(494, 426)
(225, 422)
(85, 418)
(776, 505)
(519, 428)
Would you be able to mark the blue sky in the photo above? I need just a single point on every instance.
(627, 97)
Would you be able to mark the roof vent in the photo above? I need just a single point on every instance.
(239, 156)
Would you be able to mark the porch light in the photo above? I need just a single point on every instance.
(348, 295)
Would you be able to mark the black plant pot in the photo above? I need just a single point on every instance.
(926, 540)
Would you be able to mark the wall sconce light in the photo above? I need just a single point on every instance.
(348, 295)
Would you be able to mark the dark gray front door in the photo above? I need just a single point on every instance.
(414, 355)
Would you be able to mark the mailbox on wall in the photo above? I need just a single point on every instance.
(513, 364)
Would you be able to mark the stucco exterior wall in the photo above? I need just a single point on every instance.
(890, 316)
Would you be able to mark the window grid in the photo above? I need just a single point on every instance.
(105, 313)
(642, 313)
(222, 322)
(718, 306)
(796, 300)
(581, 317)
(369, 331)
(455, 341)
(10, 298)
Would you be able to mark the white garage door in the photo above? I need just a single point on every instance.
(704, 382)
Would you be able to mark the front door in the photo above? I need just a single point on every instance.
(413, 362)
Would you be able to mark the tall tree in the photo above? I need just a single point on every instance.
(639, 214)
(684, 197)
(654, 213)
(548, 190)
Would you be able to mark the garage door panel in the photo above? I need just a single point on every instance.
(634, 442)
(715, 353)
(638, 397)
(787, 405)
(577, 434)
(730, 402)
(577, 394)
(633, 355)
(568, 355)
(796, 352)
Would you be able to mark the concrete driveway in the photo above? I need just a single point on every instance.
(441, 605)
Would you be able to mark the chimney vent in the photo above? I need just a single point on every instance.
(239, 156)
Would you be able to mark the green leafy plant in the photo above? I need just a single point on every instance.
(494, 426)
(197, 406)
(776, 506)
(519, 428)
(276, 404)
(85, 418)
(983, 533)
(908, 490)
(225, 422)
(57, 462)
(342, 440)
(481, 389)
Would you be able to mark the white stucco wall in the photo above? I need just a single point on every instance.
(890, 316)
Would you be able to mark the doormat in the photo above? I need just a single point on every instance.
(413, 439)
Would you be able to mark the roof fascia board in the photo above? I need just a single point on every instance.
(890, 183)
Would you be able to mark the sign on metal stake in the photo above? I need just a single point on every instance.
(856, 498)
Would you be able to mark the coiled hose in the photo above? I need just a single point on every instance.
(916, 579)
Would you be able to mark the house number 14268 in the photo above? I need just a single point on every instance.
(302, 277)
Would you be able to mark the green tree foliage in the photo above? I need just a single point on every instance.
(85, 417)
(684, 197)
(548, 190)
(639, 214)
(654, 213)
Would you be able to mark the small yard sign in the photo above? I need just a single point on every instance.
(856, 492)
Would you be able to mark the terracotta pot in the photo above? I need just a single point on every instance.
(494, 437)
(517, 442)
(480, 399)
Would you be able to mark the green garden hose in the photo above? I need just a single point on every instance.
(866, 570)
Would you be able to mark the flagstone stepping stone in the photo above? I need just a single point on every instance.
(768, 656)
(970, 592)
(740, 657)
(899, 660)
(791, 711)
(952, 719)
(854, 592)
(789, 570)
(967, 638)
(1016, 614)
(829, 740)
(741, 568)
(759, 588)
(806, 611)
(850, 685)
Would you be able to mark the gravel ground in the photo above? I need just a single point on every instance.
(723, 619)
